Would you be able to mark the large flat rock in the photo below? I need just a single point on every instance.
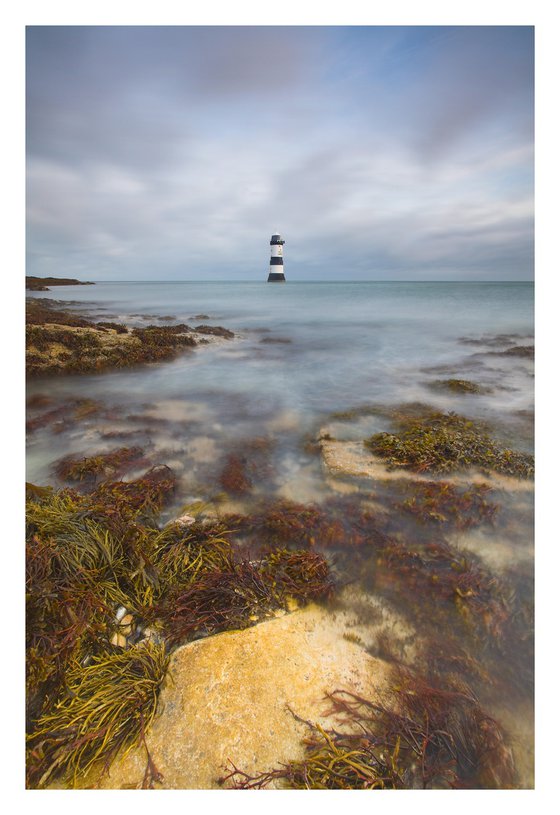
(232, 697)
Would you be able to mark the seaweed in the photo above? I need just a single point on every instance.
(160, 339)
(183, 555)
(337, 523)
(458, 386)
(216, 330)
(179, 328)
(90, 468)
(63, 415)
(57, 342)
(247, 463)
(142, 498)
(420, 737)
(526, 351)
(298, 575)
(355, 413)
(109, 593)
(238, 595)
(442, 442)
(41, 312)
(234, 478)
(120, 328)
(435, 577)
(444, 503)
(280, 521)
(104, 706)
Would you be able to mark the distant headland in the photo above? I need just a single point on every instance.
(43, 283)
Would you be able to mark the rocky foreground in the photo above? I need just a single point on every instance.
(226, 650)
(244, 697)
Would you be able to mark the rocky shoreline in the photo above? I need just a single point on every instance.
(251, 643)
(44, 283)
(60, 342)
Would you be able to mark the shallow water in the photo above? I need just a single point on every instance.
(343, 345)
(303, 352)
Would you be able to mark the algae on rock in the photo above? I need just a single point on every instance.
(441, 442)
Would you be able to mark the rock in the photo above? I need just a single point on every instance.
(233, 697)
(351, 458)
(216, 330)
(184, 520)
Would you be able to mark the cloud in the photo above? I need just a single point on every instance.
(378, 152)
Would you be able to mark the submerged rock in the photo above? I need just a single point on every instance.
(245, 696)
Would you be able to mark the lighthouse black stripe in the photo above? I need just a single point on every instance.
(276, 277)
(276, 261)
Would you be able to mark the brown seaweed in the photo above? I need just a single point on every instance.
(443, 503)
(93, 671)
(91, 468)
(422, 737)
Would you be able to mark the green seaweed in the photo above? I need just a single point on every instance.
(442, 442)
(104, 707)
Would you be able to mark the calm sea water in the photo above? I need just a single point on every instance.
(346, 343)
(302, 352)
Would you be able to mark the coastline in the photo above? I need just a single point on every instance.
(59, 342)
(411, 542)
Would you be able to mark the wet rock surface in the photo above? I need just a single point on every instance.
(242, 696)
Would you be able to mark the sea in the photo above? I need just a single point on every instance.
(309, 360)
(306, 350)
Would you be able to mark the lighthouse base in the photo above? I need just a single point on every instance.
(276, 277)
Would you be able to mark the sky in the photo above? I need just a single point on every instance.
(379, 153)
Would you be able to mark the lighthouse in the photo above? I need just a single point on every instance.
(276, 271)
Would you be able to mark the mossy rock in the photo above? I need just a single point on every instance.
(458, 386)
(442, 442)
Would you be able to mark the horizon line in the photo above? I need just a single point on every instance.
(300, 280)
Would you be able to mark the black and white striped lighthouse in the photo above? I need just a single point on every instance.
(276, 271)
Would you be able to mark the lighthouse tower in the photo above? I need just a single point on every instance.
(276, 272)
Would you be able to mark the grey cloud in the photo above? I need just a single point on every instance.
(154, 149)
(478, 77)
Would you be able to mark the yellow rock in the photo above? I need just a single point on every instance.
(230, 697)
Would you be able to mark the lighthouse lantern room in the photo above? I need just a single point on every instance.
(276, 271)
